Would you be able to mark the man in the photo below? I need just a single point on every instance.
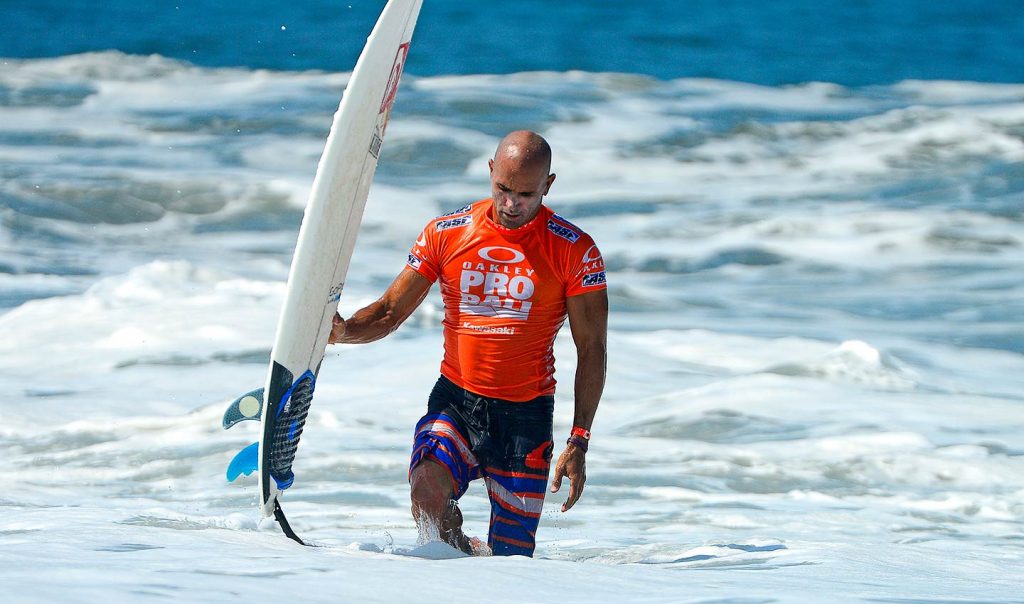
(511, 271)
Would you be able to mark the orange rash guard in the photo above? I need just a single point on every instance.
(504, 293)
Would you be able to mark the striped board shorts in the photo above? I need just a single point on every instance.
(506, 443)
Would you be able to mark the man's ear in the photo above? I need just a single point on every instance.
(551, 179)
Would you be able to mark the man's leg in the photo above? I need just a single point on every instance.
(517, 501)
(517, 482)
(433, 506)
(441, 469)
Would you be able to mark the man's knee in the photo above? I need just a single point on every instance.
(431, 487)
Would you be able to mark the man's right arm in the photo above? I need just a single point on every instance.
(385, 315)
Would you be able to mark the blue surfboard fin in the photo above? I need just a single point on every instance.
(245, 462)
(248, 406)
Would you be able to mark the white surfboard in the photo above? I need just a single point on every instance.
(326, 240)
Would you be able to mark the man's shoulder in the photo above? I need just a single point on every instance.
(561, 228)
(466, 209)
(455, 219)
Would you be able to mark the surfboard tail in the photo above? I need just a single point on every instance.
(284, 418)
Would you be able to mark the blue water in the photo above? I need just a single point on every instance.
(850, 42)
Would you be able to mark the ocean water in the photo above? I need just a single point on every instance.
(816, 273)
(781, 42)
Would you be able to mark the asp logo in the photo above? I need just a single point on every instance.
(563, 231)
(453, 223)
(594, 279)
(461, 210)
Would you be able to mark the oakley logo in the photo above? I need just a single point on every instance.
(502, 255)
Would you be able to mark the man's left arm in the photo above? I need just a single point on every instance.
(588, 321)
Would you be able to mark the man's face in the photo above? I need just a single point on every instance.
(517, 188)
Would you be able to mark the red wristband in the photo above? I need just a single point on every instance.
(581, 432)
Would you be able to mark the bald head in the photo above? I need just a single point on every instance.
(526, 148)
(520, 178)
